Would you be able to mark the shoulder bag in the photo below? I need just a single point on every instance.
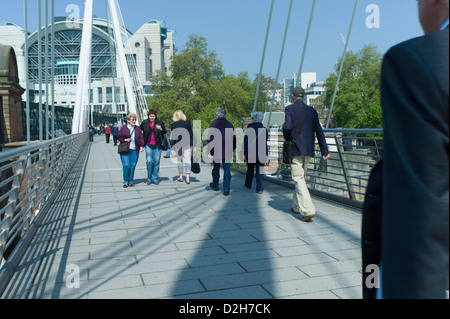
(125, 146)
(195, 165)
(164, 144)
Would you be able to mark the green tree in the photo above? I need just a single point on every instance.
(196, 65)
(198, 86)
(357, 103)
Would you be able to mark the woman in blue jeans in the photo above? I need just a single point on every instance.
(153, 131)
(130, 133)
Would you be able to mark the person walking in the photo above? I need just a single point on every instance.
(182, 142)
(153, 130)
(296, 115)
(132, 134)
(114, 132)
(405, 227)
(221, 145)
(91, 133)
(255, 151)
(107, 133)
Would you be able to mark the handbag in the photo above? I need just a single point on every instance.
(164, 144)
(195, 165)
(288, 146)
(125, 146)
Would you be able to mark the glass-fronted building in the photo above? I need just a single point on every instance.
(150, 48)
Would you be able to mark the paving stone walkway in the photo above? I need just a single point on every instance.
(179, 240)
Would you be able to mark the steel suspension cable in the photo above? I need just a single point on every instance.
(263, 57)
(279, 63)
(342, 63)
(299, 74)
(27, 91)
(112, 57)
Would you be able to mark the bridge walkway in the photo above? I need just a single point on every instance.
(178, 240)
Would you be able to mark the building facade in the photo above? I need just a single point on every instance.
(149, 49)
(308, 81)
(314, 90)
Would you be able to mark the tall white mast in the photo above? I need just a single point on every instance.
(123, 61)
(82, 99)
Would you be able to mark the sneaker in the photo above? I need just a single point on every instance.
(226, 193)
(259, 192)
(213, 187)
(130, 185)
(156, 182)
(149, 182)
(125, 185)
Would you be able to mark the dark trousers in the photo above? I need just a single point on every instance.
(107, 137)
(115, 139)
(226, 175)
(259, 177)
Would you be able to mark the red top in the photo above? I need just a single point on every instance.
(152, 139)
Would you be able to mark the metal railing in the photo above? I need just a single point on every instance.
(344, 176)
(31, 176)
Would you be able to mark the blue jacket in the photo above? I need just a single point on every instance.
(115, 130)
(228, 138)
(258, 129)
(304, 144)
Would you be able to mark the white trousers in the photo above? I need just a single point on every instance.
(184, 161)
(301, 199)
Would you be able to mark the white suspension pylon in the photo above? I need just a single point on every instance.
(132, 108)
(82, 99)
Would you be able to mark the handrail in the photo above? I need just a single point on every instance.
(30, 175)
(29, 179)
(344, 177)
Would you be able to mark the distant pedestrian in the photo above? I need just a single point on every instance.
(182, 138)
(114, 132)
(132, 134)
(221, 146)
(153, 130)
(296, 115)
(255, 151)
(91, 133)
(107, 133)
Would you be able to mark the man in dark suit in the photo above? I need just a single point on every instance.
(304, 149)
(406, 211)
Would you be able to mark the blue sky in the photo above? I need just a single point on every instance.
(235, 29)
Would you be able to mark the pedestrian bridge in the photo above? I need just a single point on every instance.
(83, 236)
